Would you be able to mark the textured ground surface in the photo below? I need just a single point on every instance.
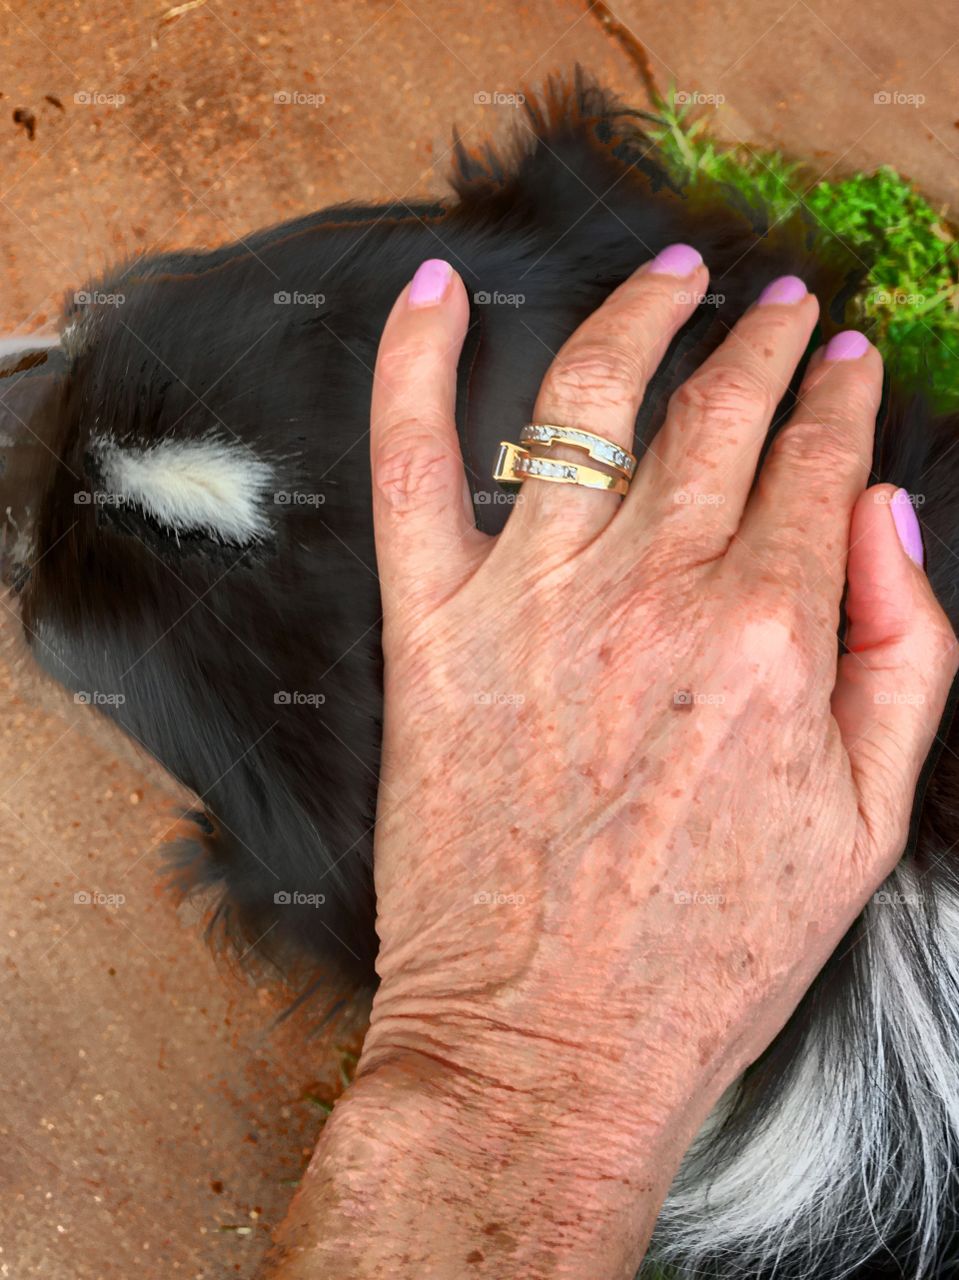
(155, 1118)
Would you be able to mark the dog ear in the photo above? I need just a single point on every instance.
(210, 487)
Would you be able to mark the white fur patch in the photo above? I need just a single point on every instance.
(192, 486)
(865, 1135)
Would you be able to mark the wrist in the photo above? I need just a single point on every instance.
(434, 1162)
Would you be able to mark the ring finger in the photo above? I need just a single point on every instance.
(700, 467)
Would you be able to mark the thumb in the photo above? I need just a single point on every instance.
(426, 538)
(894, 680)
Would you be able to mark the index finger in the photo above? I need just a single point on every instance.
(426, 537)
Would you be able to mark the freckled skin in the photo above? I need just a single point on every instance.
(590, 928)
(489, 997)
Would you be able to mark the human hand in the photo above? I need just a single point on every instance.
(618, 702)
(629, 799)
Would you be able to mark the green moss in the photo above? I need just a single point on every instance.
(910, 306)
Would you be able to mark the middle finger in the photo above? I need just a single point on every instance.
(597, 382)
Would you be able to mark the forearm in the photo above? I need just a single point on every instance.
(423, 1171)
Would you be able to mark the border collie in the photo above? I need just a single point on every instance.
(188, 525)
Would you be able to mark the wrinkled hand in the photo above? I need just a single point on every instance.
(627, 794)
(630, 799)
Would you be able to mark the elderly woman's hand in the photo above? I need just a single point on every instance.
(631, 796)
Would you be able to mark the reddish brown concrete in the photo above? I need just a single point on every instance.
(847, 86)
(155, 1117)
(199, 152)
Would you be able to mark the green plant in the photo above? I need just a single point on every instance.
(910, 304)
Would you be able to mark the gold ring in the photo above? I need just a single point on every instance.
(598, 447)
(515, 464)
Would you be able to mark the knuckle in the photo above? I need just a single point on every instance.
(941, 640)
(844, 392)
(648, 303)
(724, 392)
(597, 374)
(775, 645)
(820, 445)
(412, 465)
(403, 363)
(860, 401)
(773, 626)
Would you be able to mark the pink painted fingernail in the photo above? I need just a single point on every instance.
(430, 283)
(676, 260)
(785, 290)
(907, 526)
(848, 345)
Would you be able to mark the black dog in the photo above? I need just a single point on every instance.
(189, 502)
